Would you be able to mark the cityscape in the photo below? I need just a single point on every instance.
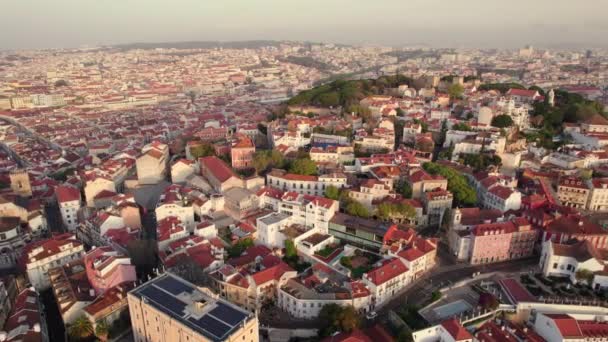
(303, 190)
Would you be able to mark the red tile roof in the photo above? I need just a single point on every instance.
(389, 269)
(217, 168)
(67, 194)
(456, 330)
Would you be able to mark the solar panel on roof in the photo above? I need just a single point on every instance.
(173, 286)
(164, 301)
(212, 325)
(228, 314)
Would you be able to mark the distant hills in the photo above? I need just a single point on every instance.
(249, 44)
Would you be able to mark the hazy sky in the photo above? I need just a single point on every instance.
(449, 23)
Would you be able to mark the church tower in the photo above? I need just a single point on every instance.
(551, 98)
(20, 182)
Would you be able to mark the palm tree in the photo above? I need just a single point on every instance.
(102, 330)
(80, 328)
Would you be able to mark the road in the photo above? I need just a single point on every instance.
(419, 291)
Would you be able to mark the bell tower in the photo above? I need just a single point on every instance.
(20, 182)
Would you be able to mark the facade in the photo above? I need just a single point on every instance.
(28, 305)
(20, 182)
(598, 198)
(239, 202)
(41, 256)
(94, 186)
(420, 182)
(12, 240)
(306, 185)
(168, 308)
(501, 241)
(174, 202)
(306, 210)
(151, 167)
(253, 286)
(565, 260)
(386, 280)
(242, 152)
(182, 169)
(369, 191)
(68, 199)
(573, 192)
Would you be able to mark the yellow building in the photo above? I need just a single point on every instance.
(169, 308)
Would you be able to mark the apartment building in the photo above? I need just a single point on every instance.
(39, 257)
(306, 185)
(68, 199)
(168, 308)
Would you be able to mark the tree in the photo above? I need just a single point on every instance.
(102, 330)
(81, 328)
(584, 275)
(404, 189)
(238, 248)
(290, 249)
(502, 121)
(266, 159)
(455, 91)
(400, 211)
(332, 192)
(488, 301)
(303, 166)
(334, 317)
(61, 83)
(202, 150)
(464, 194)
(461, 126)
(357, 209)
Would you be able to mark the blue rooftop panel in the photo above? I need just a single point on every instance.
(228, 314)
(173, 286)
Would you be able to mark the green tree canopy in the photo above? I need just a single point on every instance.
(399, 211)
(332, 192)
(334, 317)
(202, 150)
(357, 209)
(81, 328)
(404, 189)
(290, 249)
(464, 194)
(238, 248)
(502, 121)
(303, 166)
(455, 91)
(461, 126)
(267, 159)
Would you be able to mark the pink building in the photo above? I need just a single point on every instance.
(491, 242)
(107, 268)
(242, 152)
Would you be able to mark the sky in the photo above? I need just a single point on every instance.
(436, 23)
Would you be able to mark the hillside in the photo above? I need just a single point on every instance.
(347, 93)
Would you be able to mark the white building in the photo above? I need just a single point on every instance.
(96, 185)
(152, 164)
(182, 169)
(43, 255)
(270, 229)
(68, 199)
(309, 185)
(565, 260)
